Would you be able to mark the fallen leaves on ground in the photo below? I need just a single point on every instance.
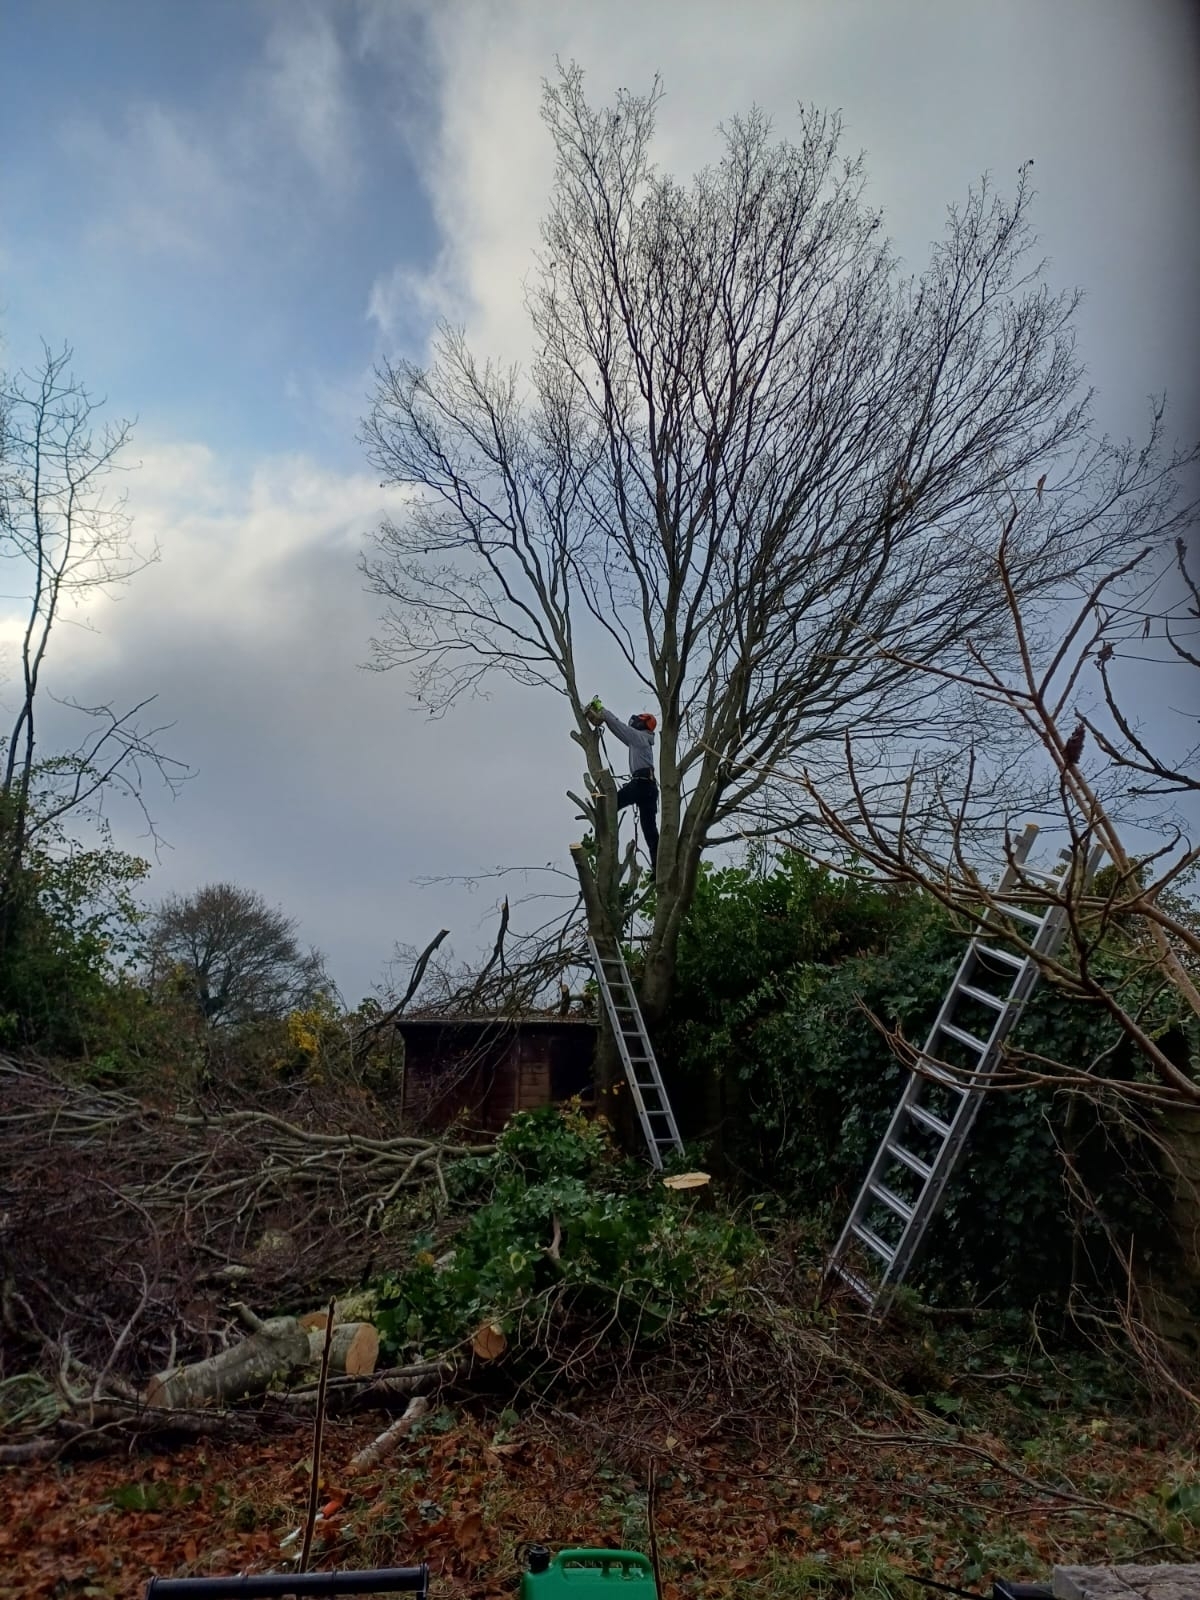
(467, 1500)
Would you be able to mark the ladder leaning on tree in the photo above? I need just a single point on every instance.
(904, 1185)
(628, 1028)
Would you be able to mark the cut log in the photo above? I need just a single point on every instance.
(372, 1454)
(354, 1351)
(279, 1347)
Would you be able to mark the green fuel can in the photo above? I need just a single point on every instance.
(588, 1575)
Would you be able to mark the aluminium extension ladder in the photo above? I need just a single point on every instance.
(636, 1052)
(904, 1185)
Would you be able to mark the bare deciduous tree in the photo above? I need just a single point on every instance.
(63, 536)
(235, 955)
(753, 462)
(1133, 938)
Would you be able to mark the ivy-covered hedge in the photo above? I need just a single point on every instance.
(771, 1046)
(553, 1234)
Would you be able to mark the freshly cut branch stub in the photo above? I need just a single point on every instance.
(354, 1351)
(488, 1341)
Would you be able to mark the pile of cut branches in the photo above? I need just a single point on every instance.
(130, 1232)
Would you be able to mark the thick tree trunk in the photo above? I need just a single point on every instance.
(674, 900)
(279, 1347)
(600, 876)
(613, 1100)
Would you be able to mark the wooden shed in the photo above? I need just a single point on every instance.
(481, 1069)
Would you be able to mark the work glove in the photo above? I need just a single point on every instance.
(594, 711)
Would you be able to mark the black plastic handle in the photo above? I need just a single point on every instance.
(373, 1580)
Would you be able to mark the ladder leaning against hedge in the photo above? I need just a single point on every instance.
(904, 1185)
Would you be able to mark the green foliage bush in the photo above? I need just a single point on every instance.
(68, 933)
(781, 970)
(632, 1257)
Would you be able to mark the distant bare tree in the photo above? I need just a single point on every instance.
(63, 535)
(753, 461)
(233, 954)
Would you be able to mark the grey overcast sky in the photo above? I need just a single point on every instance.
(232, 208)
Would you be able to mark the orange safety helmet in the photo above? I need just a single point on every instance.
(645, 720)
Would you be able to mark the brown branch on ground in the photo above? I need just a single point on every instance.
(123, 1225)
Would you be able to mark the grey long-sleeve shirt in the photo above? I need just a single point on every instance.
(641, 744)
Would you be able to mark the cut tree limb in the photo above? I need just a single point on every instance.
(387, 1441)
(278, 1348)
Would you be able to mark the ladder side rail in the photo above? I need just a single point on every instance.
(650, 1063)
(1011, 875)
(910, 1095)
(865, 1201)
(655, 1141)
(1044, 941)
(1047, 938)
(1010, 878)
(929, 1200)
(933, 1186)
(605, 984)
(880, 1162)
(633, 1005)
(950, 999)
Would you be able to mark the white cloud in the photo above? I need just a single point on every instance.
(405, 302)
(934, 92)
(200, 181)
(236, 552)
(319, 784)
(163, 188)
(306, 89)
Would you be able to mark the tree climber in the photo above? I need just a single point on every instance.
(642, 788)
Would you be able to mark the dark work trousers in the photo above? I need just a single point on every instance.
(642, 791)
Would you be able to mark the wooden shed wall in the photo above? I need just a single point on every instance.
(459, 1071)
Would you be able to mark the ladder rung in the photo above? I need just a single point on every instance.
(932, 1073)
(1006, 956)
(972, 1043)
(1034, 918)
(633, 1043)
(1036, 899)
(892, 1201)
(928, 1120)
(860, 1286)
(912, 1162)
(983, 996)
(873, 1242)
